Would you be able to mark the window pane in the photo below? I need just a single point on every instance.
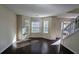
(35, 26)
(45, 30)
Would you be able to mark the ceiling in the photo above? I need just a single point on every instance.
(42, 10)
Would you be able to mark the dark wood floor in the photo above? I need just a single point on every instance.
(34, 46)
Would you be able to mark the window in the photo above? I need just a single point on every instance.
(35, 26)
(45, 30)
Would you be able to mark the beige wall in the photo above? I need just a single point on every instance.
(55, 29)
(19, 27)
(7, 28)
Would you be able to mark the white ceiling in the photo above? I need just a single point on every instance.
(41, 10)
(69, 15)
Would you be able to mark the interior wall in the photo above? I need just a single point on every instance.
(41, 33)
(21, 20)
(55, 28)
(26, 21)
(72, 42)
(7, 28)
(47, 35)
(19, 27)
(53, 31)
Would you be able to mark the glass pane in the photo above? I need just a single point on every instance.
(35, 26)
(25, 29)
(45, 30)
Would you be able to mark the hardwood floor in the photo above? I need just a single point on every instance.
(34, 46)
